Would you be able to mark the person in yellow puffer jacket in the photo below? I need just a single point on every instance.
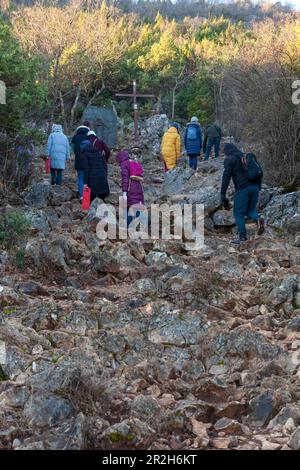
(170, 147)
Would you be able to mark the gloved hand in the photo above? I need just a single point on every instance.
(224, 201)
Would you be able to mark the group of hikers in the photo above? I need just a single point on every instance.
(193, 143)
(92, 156)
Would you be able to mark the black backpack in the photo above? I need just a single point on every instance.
(253, 168)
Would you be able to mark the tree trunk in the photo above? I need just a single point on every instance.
(63, 112)
(158, 104)
(95, 95)
(173, 101)
(74, 107)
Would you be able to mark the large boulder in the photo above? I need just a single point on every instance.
(283, 213)
(244, 343)
(129, 433)
(177, 328)
(175, 181)
(42, 220)
(152, 130)
(38, 195)
(104, 122)
(42, 194)
(46, 410)
(223, 218)
(286, 290)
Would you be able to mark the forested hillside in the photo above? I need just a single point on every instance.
(81, 54)
(184, 338)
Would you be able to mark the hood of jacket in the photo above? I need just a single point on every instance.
(57, 128)
(172, 130)
(122, 156)
(82, 130)
(231, 148)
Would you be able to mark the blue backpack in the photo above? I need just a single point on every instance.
(253, 168)
(192, 133)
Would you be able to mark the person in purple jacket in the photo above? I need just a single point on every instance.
(132, 186)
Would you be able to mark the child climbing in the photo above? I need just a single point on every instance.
(131, 181)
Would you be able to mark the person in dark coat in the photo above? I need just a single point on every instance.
(80, 135)
(132, 189)
(193, 142)
(100, 145)
(246, 192)
(212, 138)
(94, 170)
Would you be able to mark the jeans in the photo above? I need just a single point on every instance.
(56, 176)
(245, 202)
(130, 218)
(193, 161)
(80, 182)
(213, 142)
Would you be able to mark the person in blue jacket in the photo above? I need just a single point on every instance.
(193, 142)
(58, 149)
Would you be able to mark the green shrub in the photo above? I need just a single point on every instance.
(14, 228)
(20, 259)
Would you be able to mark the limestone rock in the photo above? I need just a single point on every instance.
(283, 212)
(145, 408)
(294, 442)
(129, 433)
(228, 426)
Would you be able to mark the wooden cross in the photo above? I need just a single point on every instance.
(135, 95)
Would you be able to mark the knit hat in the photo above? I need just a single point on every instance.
(91, 133)
(175, 124)
(194, 120)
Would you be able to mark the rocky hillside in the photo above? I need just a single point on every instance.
(145, 345)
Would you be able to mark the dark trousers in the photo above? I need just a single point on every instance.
(56, 176)
(245, 202)
(213, 142)
(193, 161)
(99, 196)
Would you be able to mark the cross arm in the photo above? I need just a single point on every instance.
(138, 95)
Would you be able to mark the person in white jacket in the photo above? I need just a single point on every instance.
(58, 150)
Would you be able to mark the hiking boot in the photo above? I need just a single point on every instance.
(260, 226)
(53, 183)
(238, 241)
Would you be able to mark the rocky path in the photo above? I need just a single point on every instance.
(147, 345)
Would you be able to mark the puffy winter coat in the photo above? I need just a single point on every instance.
(234, 168)
(101, 146)
(94, 167)
(58, 148)
(77, 139)
(170, 147)
(133, 188)
(193, 146)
